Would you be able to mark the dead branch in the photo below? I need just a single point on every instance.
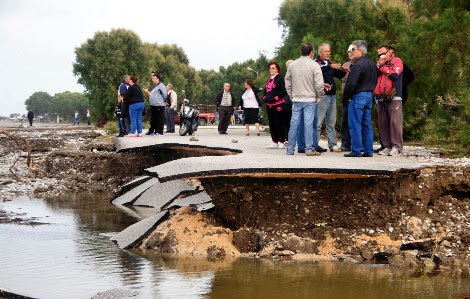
(23, 144)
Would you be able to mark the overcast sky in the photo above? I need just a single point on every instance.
(38, 37)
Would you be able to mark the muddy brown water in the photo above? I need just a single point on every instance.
(72, 257)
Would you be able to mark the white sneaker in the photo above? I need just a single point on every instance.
(384, 152)
(281, 145)
(394, 152)
(272, 146)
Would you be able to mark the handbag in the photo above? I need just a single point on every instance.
(388, 97)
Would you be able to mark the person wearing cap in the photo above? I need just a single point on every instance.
(171, 104)
(344, 129)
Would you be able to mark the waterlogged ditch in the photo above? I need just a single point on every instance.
(353, 219)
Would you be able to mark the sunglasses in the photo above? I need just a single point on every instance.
(381, 54)
(352, 50)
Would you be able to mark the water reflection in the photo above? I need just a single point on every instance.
(73, 257)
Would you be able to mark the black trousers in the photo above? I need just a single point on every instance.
(345, 136)
(157, 119)
(277, 123)
(224, 118)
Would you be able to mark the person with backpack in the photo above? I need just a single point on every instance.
(157, 97)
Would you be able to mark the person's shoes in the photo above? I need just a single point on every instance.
(222, 132)
(381, 148)
(281, 145)
(120, 135)
(320, 149)
(139, 135)
(290, 153)
(352, 155)
(312, 153)
(149, 133)
(334, 149)
(301, 151)
(384, 152)
(258, 134)
(247, 134)
(131, 135)
(367, 155)
(394, 152)
(272, 146)
(345, 149)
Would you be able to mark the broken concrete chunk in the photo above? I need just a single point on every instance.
(128, 186)
(191, 200)
(134, 234)
(160, 194)
(203, 206)
(130, 196)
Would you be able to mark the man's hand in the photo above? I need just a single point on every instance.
(336, 65)
(327, 86)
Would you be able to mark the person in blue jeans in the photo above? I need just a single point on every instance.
(301, 134)
(135, 97)
(361, 83)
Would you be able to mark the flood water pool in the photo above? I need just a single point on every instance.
(72, 257)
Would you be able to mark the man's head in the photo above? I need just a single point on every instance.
(227, 87)
(385, 53)
(360, 48)
(351, 52)
(126, 79)
(324, 51)
(307, 50)
(156, 78)
(169, 87)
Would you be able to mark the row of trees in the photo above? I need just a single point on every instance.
(431, 36)
(63, 104)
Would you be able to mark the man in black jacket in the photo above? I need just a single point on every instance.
(359, 90)
(225, 101)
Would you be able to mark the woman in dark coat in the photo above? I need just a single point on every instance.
(274, 94)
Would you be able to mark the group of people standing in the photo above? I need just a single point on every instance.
(299, 103)
(131, 107)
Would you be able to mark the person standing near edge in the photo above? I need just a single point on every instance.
(135, 97)
(344, 129)
(304, 84)
(327, 106)
(30, 117)
(274, 94)
(250, 103)
(359, 90)
(225, 101)
(171, 104)
(390, 112)
(157, 97)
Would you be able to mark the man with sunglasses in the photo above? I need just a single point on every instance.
(358, 90)
(390, 112)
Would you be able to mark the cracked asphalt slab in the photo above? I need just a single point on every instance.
(251, 158)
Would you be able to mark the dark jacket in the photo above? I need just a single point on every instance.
(124, 110)
(329, 74)
(255, 91)
(134, 94)
(275, 90)
(363, 77)
(218, 98)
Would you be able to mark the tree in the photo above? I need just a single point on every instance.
(64, 104)
(38, 102)
(101, 63)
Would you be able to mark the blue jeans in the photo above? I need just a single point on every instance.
(135, 111)
(307, 110)
(327, 109)
(301, 134)
(120, 126)
(360, 123)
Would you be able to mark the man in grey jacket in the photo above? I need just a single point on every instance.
(304, 84)
(170, 107)
(157, 97)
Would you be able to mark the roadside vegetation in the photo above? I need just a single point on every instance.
(431, 36)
